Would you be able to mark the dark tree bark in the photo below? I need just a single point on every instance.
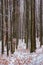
(6, 19)
(2, 27)
(40, 22)
(14, 29)
(33, 41)
(27, 23)
(11, 30)
(17, 22)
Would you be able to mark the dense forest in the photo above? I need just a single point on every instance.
(21, 19)
(21, 32)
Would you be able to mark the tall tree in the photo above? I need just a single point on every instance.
(27, 23)
(6, 20)
(11, 24)
(14, 29)
(40, 22)
(10, 30)
(16, 4)
(33, 42)
(2, 27)
(17, 21)
(14, 23)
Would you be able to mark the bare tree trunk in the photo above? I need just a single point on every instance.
(27, 23)
(40, 22)
(14, 30)
(6, 20)
(33, 42)
(11, 30)
(2, 27)
(17, 20)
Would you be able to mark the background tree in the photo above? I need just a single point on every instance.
(33, 41)
(2, 27)
(14, 25)
(17, 21)
(6, 20)
(27, 24)
(41, 22)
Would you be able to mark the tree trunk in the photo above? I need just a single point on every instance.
(6, 20)
(33, 41)
(11, 31)
(27, 23)
(40, 22)
(17, 22)
(2, 27)
(14, 30)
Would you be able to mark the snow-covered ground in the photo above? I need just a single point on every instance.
(23, 57)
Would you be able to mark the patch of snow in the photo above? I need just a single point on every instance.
(37, 43)
(21, 57)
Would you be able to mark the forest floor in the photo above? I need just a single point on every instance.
(23, 57)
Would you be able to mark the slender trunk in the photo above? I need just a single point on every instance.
(11, 30)
(14, 30)
(27, 23)
(2, 27)
(33, 41)
(14, 33)
(17, 20)
(40, 22)
(6, 19)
